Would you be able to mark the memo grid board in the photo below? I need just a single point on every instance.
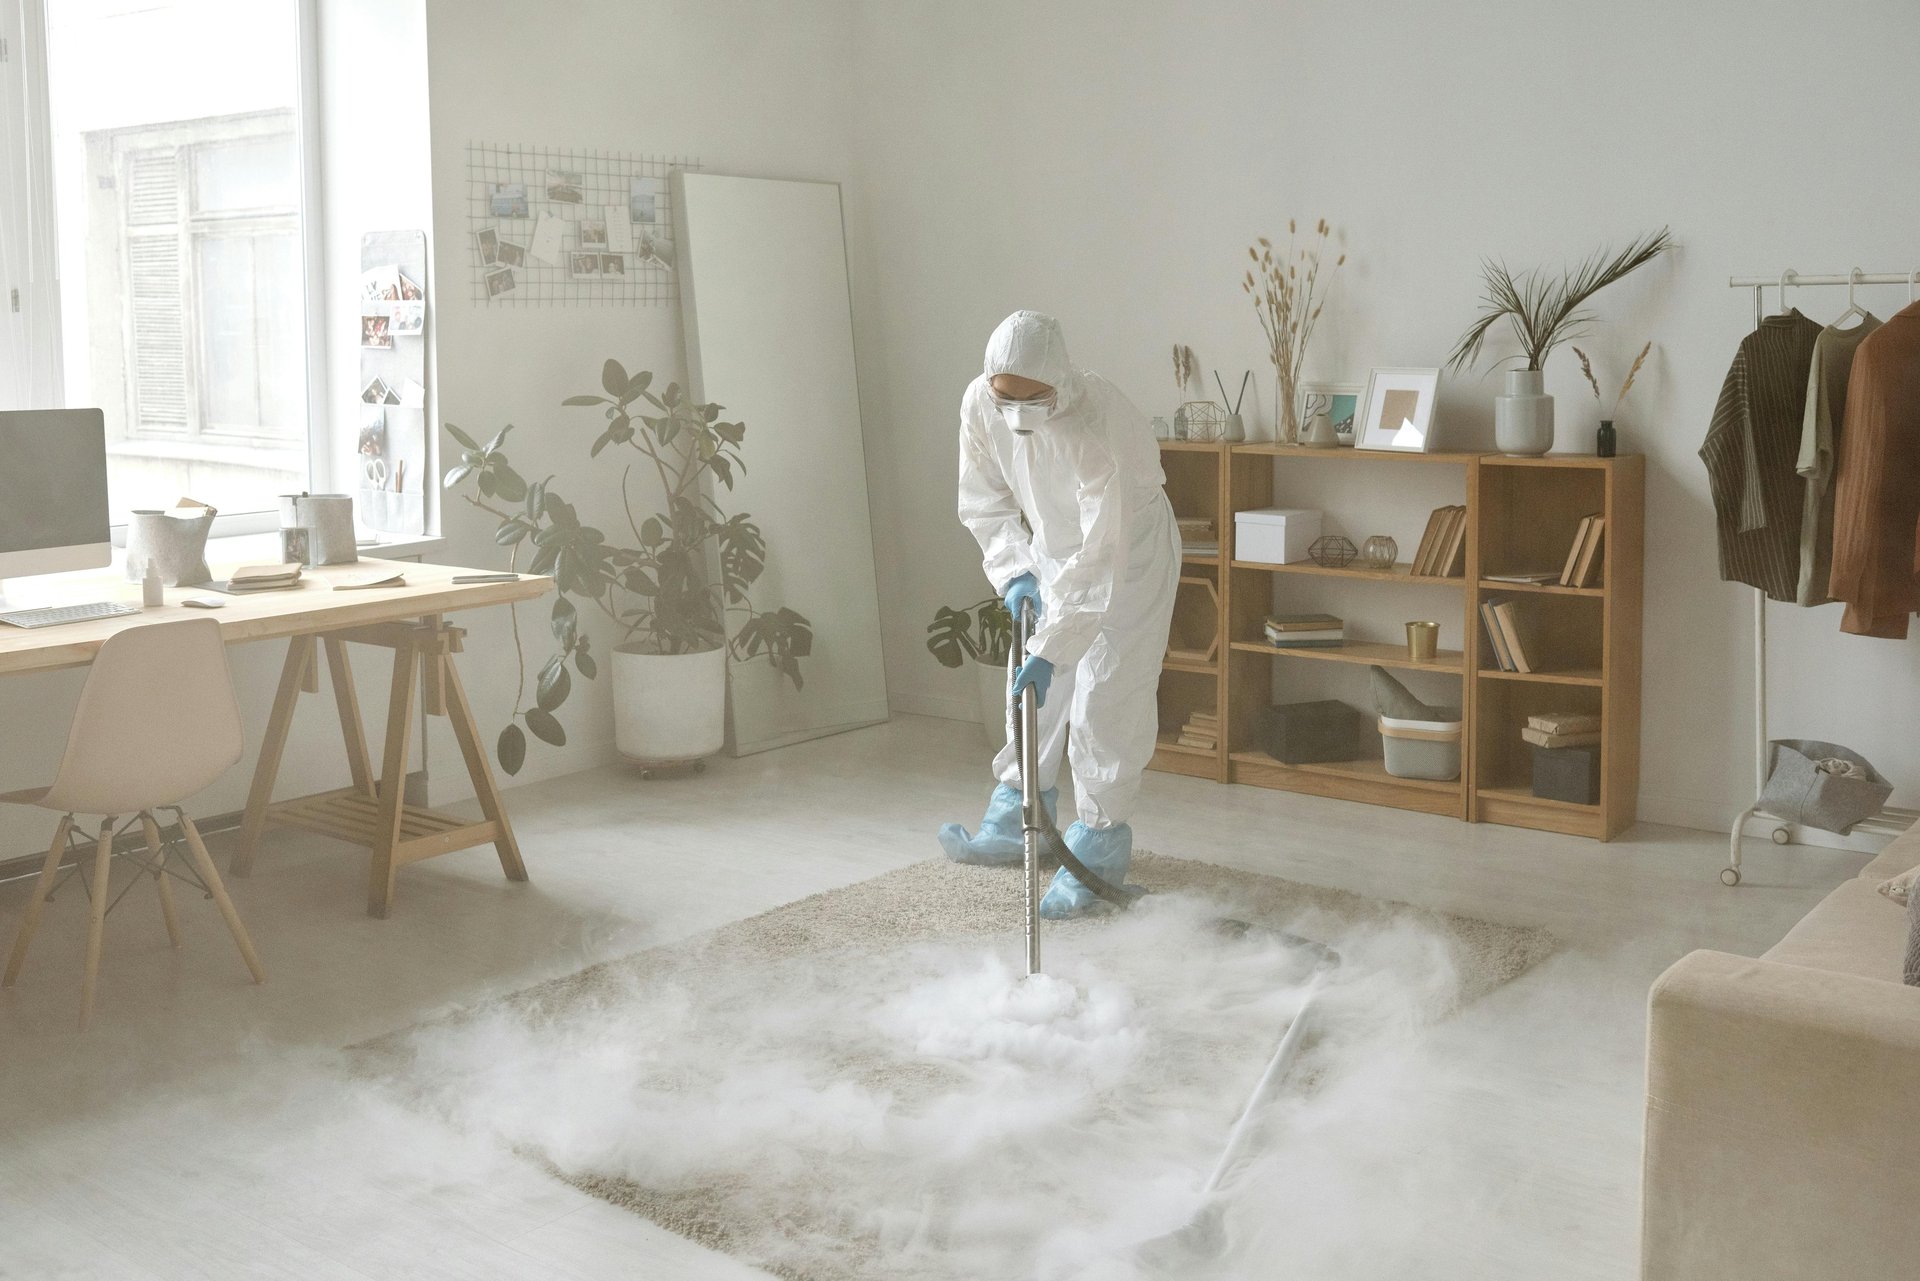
(604, 184)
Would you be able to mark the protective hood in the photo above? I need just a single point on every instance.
(1029, 344)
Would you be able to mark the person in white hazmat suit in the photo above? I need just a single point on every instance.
(1060, 483)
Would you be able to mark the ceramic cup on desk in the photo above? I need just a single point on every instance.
(1423, 641)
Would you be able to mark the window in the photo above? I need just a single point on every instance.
(174, 132)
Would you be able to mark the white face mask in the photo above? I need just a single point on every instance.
(1026, 416)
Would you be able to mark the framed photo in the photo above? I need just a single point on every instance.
(583, 266)
(1397, 411)
(1339, 401)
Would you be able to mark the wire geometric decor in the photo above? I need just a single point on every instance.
(556, 227)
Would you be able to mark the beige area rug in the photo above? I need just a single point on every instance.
(861, 1085)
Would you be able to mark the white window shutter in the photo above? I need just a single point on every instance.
(157, 289)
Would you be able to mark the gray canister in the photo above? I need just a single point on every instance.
(329, 517)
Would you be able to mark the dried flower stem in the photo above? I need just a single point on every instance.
(1284, 300)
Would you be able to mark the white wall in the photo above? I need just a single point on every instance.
(751, 87)
(1109, 163)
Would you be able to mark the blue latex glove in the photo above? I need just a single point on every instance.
(1025, 587)
(1037, 672)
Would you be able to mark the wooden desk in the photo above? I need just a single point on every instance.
(370, 811)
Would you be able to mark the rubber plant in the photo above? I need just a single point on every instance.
(671, 589)
(982, 631)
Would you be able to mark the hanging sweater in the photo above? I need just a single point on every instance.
(1751, 451)
(1826, 410)
(1876, 497)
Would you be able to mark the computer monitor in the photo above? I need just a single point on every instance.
(53, 492)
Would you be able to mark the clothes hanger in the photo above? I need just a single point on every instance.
(1913, 285)
(1853, 308)
(1786, 277)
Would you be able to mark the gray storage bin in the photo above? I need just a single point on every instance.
(1799, 791)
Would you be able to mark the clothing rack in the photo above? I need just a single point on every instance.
(1869, 835)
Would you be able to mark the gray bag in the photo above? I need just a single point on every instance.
(1799, 791)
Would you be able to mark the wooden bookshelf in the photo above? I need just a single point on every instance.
(1521, 516)
(1193, 673)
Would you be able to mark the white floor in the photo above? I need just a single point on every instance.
(203, 1128)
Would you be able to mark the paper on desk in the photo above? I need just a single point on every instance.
(348, 578)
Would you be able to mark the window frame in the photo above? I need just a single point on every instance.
(43, 253)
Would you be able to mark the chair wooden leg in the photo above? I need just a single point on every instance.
(204, 865)
(293, 676)
(41, 888)
(393, 784)
(97, 922)
(485, 789)
(159, 851)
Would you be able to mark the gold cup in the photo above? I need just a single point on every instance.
(1423, 641)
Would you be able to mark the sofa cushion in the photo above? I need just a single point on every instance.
(1902, 853)
(1854, 930)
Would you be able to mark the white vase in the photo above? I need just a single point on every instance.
(1523, 415)
(668, 708)
(991, 679)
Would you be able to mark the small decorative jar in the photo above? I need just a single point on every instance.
(1606, 442)
(1380, 552)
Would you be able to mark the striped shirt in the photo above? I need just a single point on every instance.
(1751, 452)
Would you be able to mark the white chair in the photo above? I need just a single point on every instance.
(157, 722)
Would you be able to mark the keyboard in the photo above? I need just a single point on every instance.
(54, 615)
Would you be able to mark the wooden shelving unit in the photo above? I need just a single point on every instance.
(1522, 514)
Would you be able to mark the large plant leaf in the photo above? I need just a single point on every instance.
(511, 749)
(554, 684)
(613, 378)
(546, 727)
(465, 440)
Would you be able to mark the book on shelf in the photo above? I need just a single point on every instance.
(1443, 547)
(1539, 579)
(1540, 738)
(1564, 722)
(1302, 622)
(1199, 549)
(1301, 640)
(1588, 572)
(1583, 557)
(1496, 641)
(1515, 621)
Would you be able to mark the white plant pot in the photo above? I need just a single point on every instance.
(668, 708)
(1523, 416)
(992, 680)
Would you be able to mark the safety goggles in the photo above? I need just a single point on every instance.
(1004, 403)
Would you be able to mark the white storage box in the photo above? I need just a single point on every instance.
(1422, 749)
(1274, 535)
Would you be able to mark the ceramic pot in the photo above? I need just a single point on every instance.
(991, 680)
(668, 708)
(1523, 416)
(1320, 433)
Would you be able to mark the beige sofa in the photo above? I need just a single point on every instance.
(1783, 1101)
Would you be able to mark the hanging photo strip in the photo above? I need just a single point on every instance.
(555, 227)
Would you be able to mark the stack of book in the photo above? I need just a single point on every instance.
(1510, 633)
(1443, 548)
(1562, 729)
(1305, 631)
(1583, 558)
(1202, 730)
(1198, 536)
(264, 578)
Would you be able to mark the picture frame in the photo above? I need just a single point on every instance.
(1396, 415)
(1340, 401)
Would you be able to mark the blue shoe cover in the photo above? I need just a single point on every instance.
(998, 842)
(1106, 851)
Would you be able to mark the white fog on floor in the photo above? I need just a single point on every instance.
(926, 1111)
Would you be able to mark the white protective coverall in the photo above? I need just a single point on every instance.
(1099, 534)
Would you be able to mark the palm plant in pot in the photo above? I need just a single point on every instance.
(672, 609)
(980, 636)
(1544, 312)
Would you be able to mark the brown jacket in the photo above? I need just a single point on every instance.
(1876, 518)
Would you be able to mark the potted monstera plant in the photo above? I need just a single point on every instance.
(978, 636)
(670, 582)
